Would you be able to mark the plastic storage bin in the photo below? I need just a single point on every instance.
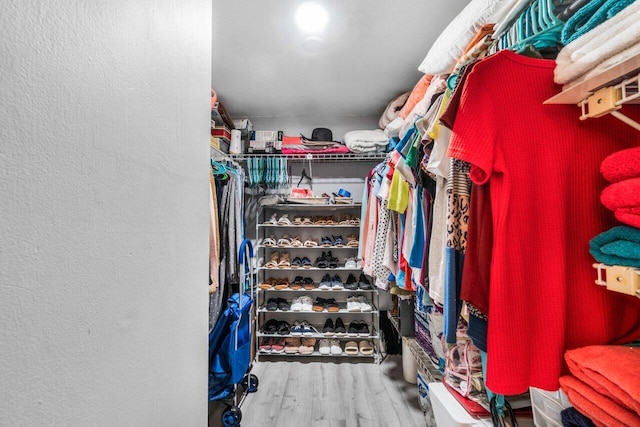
(449, 413)
(547, 406)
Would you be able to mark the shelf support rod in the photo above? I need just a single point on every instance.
(618, 115)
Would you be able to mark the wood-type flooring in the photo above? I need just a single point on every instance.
(327, 394)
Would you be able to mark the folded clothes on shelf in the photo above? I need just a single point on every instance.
(596, 406)
(621, 165)
(617, 246)
(611, 370)
(623, 199)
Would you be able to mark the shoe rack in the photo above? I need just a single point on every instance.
(318, 245)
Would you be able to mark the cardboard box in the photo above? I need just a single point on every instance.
(220, 144)
(265, 141)
(221, 132)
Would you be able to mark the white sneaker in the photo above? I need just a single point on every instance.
(353, 304)
(335, 347)
(364, 305)
(350, 263)
(306, 303)
(324, 347)
(296, 304)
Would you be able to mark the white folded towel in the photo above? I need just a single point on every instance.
(609, 63)
(604, 41)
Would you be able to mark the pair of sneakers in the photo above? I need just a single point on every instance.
(272, 345)
(330, 328)
(302, 303)
(329, 346)
(274, 304)
(358, 303)
(358, 327)
(303, 328)
(331, 283)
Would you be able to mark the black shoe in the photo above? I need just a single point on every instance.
(339, 328)
(308, 284)
(283, 304)
(296, 284)
(363, 329)
(321, 261)
(364, 283)
(283, 328)
(332, 261)
(328, 329)
(354, 327)
(351, 284)
(272, 304)
(271, 327)
(319, 305)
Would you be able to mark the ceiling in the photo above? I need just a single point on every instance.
(368, 54)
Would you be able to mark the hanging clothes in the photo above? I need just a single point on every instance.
(542, 298)
(226, 233)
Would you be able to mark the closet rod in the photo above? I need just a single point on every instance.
(220, 156)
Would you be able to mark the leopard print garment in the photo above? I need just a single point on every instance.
(458, 192)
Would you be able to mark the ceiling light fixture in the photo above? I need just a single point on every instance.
(311, 17)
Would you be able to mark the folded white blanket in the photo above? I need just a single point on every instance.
(365, 141)
(606, 40)
(358, 147)
(375, 136)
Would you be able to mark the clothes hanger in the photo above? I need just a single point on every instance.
(219, 170)
(537, 26)
(304, 175)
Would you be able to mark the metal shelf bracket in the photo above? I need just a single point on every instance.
(617, 278)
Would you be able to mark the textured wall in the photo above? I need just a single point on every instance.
(103, 216)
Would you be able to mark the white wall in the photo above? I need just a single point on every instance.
(294, 126)
(104, 232)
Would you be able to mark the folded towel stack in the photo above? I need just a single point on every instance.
(614, 38)
(604, 384)
(621, 165)
(617, 246)
(620, 245)
(622, 197)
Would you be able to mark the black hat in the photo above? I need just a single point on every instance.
(320, 135)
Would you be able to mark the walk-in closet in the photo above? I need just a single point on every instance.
(320, 213)
(447, 242)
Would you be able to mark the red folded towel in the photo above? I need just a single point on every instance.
(610, 370)
(621, 165)
(603, 411)
(623, 198)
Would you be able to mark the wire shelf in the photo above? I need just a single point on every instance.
(327, 158)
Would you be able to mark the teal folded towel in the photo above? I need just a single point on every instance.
(617, 246)
(590, 16)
